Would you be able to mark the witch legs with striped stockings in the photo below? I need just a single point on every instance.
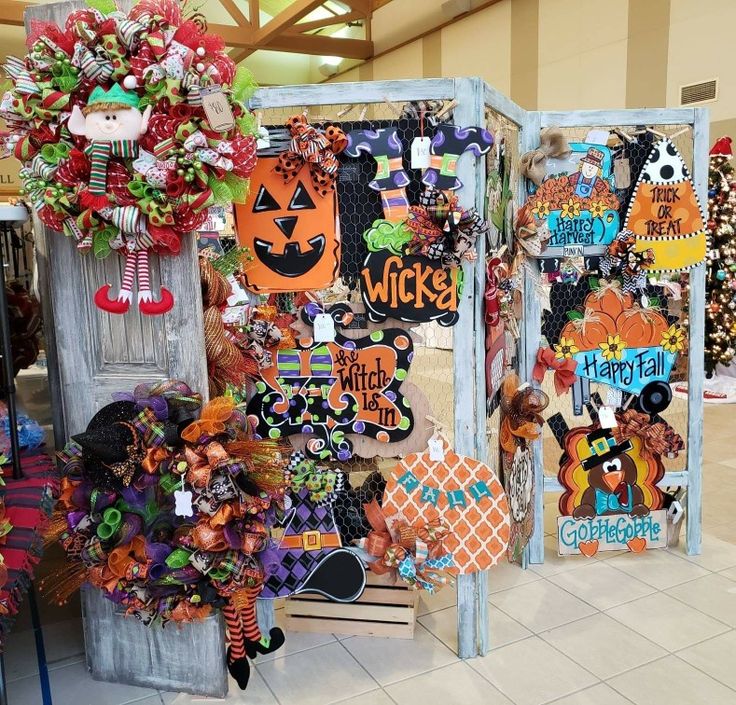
(136, 262)
(246, 640)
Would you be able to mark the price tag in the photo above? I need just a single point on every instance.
(324, 328)
(217, 109)
(183, 499)
(607, 417)
(436, 450)
(622, 172)
(420, 158)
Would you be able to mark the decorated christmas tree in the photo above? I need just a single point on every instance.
(720, 321)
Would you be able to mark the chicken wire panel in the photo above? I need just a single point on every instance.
(431, 371)
(566, 297)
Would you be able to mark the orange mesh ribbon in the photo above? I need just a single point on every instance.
(211, 422)
(564, 370)
(521, 409)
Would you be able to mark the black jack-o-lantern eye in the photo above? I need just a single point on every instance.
(301, 200)
(265, 201)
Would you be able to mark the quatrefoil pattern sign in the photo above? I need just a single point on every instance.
(463, 493)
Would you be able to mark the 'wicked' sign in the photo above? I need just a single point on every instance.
(410, 288)
(336, 388)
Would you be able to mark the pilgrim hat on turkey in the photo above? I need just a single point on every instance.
(604, 447)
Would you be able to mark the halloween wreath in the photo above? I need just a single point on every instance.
(165, 506)
(129, 127)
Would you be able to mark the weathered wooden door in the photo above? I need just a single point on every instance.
(93, 353)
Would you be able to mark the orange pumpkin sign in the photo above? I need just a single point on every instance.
(291, 230)
(617, 342)
(464, 494)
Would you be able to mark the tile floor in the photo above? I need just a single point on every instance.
(652, 629)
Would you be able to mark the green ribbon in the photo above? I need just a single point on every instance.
(169, 483)
(178, 558)
(54, 153)
(111, 519)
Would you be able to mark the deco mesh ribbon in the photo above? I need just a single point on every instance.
(413, 553)
(564, 369)
(521, 406)
(621, 256)
(131, 198)
(136, 537)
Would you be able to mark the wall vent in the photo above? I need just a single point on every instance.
(703, 92)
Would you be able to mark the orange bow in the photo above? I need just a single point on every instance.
(521, 413)
(154, 458)
(564, 369)
(212, 420)
(657, 439)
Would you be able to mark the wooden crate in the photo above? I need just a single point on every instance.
(384, 610)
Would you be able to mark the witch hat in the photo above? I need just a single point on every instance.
(311, 558)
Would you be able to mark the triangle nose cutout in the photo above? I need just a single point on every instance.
(286, 224)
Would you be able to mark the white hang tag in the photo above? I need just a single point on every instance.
(238, 293)
(183, 500)
(217, 109)
(436, 450)
(614, 398)
(264, 138)
(607, 417)
(597, 136)
(324, 328)
(420, 157)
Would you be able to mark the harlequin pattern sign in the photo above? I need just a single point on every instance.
(463, 493)
(334, 389)
(665, 214)
(580, 208)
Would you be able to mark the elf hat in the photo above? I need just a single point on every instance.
(116, 98)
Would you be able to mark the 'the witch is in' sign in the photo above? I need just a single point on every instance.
(336, 388)
(409, 288)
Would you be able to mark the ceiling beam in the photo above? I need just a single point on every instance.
(11, 13)
(284, 20)
(301, 27)
(235, 12)
(254, 9)
(313, 44)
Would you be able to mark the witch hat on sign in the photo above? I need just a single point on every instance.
(311, 559)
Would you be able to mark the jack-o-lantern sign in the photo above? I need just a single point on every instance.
(291, 230)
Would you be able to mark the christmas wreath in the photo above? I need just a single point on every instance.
(129, 128)
(166, 506)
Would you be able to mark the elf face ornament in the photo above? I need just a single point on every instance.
(112, 123)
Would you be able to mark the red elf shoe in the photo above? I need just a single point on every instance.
(119, 305)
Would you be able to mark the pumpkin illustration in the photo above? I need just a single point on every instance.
(291, 230)
(641, 327)
(587, 333)
(610, 301)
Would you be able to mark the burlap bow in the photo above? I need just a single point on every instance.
(552, 143)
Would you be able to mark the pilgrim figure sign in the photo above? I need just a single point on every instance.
(611, 499)
(578, 202)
